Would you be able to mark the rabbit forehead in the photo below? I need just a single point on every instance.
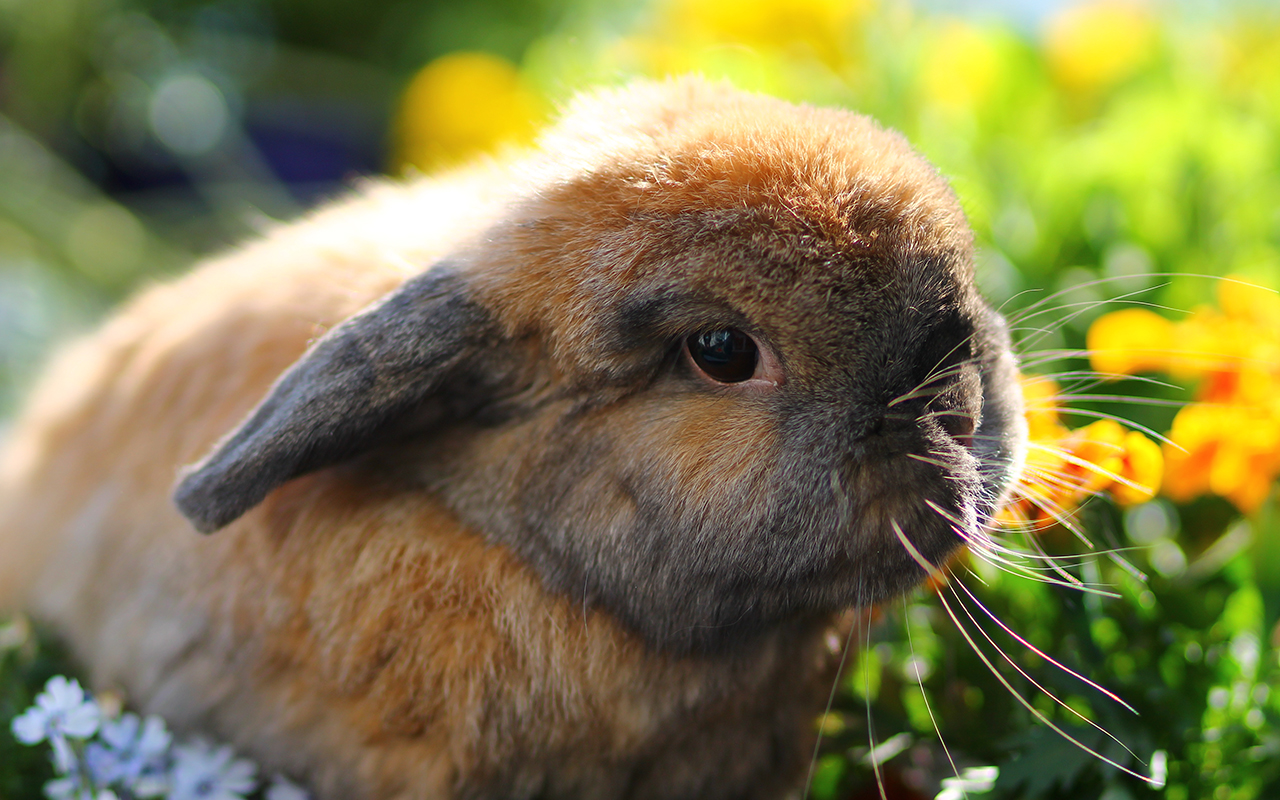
(709, 146)
(638, 176)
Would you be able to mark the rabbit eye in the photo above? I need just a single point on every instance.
(725, 356)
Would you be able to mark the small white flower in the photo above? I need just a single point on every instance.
(129, 750)
(64, 758)
(71, 787)
(202, 772)
(62, 709)
(283, 789)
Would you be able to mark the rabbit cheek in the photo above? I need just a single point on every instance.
(651, 524)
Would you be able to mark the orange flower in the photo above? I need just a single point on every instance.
(1230, 451)
(1130, 341)
(1228, 443)
(1066, 467)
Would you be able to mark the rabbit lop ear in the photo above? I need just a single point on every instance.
(367, 378)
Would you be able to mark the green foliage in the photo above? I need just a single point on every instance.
(1191, 655)
(27, 661)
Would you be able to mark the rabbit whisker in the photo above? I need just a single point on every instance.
(1042, 306)
(934, 461)
(1035, 712)
(1087, 464)
(911, 646)
(1021, 640)
(977, 626)
(924, 388)
(871, 729)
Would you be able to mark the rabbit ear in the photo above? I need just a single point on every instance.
(364, 379)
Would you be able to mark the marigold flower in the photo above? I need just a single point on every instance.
(1065, 467)
(1228, 442)
(1142, 469)
(1233, 452)
(1040, 401)
(1130, 341)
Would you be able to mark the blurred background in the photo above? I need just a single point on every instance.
(1109, 153)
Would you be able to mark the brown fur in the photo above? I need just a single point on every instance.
(377, 639)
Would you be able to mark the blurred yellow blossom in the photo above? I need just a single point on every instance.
(460, 105)
(1130, 341)
(1093, 46)
(820, 26)
(1040, 401)
(961, 66)
(1064, 467)
(1230, 451)
(1228, 442)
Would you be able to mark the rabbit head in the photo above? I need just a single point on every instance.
(718, 357)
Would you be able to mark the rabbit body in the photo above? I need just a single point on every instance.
(490, 534)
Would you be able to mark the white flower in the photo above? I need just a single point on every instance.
(283, 789)
(62, 709)
(130, 751)
(201, 772)
(70, 787)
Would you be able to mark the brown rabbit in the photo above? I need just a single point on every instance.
(545, 479)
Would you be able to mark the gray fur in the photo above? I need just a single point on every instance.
(342, 398)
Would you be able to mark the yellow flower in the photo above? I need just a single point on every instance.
(1066, 467)
(1143, 470)
(1236, 349)
(1130, 341)
(1241, 299)
(961, 66)
(1095, 45)
(460, 105)
(1227, 443)
(1230, 451)
(820, 26)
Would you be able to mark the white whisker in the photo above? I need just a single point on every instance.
(1109, 694)
(1036, 683)
(911, 646)
(1025, 704)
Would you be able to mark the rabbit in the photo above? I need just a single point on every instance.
(548, 477)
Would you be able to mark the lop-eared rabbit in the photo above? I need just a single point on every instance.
(546, 478)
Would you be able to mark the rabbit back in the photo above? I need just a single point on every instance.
(349, 629)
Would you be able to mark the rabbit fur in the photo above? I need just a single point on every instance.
(481, 528)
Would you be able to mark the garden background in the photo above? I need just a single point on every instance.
(1116, 159)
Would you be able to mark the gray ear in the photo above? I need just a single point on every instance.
(371, 375)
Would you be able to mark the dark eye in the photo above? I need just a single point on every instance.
(726, 356)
